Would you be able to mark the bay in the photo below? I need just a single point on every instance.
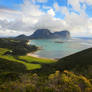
(59, 48)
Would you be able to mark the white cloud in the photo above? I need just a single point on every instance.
(9, 14)
(30, 18)
(56, 6)
(40, 1)
(77, 23)
(30, 12)
(89, 2)
(20, 21)
(46, 7)
(64, 10)
(75, 4)
(51, 12)
(47, 21)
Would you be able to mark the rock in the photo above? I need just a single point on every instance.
(62, 34)
(41, 33)
(46, 34)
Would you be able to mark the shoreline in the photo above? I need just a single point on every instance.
(31, 54)
(37, 56)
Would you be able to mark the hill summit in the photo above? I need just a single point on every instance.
(46, 34)
(41, 33)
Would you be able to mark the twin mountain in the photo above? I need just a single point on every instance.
(46, 34)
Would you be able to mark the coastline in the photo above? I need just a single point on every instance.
(31, 54)
(37, 56)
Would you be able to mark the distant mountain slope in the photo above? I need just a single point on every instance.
(62, 34)
(46, 34)
(22, 37)
(41, 33)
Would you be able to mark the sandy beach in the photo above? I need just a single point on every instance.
(33, 55)
(37, 56)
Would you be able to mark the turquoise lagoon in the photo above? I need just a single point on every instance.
(58, 48)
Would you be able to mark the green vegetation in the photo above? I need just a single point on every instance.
(17, 47)
(57, 82)
(21, 73)
(80, 62)
(29, 62)
(35, 59)
(13, 59)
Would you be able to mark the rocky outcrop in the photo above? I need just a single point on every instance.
(41, 33)
(62, 34)
(46, 34)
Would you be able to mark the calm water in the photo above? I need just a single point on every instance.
(52, 49)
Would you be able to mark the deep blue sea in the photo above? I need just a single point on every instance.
(58, 48)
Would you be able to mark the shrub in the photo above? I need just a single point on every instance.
(88, 90)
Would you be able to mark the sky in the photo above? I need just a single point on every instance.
(25, 16)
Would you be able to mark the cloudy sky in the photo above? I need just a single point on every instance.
(25, 16)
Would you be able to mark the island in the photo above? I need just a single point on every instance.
(46, 34)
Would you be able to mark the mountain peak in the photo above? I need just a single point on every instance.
(22, 36)
(41, 33)
(46, 34)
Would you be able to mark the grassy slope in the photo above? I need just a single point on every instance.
(82, 58)
(27, 61)
(80, 62)
(35, 59)
(12, 59)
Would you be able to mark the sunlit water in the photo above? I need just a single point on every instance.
(52, 48)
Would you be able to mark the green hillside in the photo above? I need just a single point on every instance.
(12, 62)
(17, 47)
(80, 62)
(29, 63)
(21, 73)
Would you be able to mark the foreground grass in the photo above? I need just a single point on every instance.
(56, 82)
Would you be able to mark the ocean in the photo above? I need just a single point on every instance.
(59, 48)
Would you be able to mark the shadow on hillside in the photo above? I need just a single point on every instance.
(10, 66)
(10, 70)
(44, 70)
